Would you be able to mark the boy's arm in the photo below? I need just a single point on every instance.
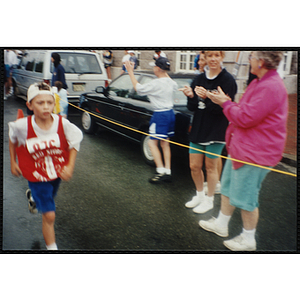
(15, 169)
(67, 171)
(130, 67)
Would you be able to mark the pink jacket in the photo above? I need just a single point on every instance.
(257, 129)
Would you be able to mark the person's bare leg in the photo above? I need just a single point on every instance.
(211, 165)
(165, 146)
(48, 220)
(196, 163)
(153, 145)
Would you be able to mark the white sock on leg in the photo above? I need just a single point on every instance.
(223, 220)
(52, 247)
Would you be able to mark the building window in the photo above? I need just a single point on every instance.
(185, 61)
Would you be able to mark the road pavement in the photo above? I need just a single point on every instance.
(110, 206)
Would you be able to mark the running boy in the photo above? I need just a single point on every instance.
(160, 92)
(45, 146)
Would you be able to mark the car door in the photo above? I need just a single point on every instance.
(138, 109)
(112, 105)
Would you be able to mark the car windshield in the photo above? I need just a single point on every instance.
(79, 63)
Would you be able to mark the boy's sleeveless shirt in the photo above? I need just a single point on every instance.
(42, 158)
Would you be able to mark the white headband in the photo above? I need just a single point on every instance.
(34, 90)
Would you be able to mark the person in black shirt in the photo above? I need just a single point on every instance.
(208, 128)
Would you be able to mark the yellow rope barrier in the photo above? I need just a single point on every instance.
(185, 146)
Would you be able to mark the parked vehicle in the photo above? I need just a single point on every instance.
(120, 109)
(84, 71)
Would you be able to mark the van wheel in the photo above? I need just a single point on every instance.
(146, 152)
(88, 123)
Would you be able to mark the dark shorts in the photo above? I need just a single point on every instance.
(162, 124)
(43, 194)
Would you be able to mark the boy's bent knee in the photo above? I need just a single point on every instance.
(49, 216)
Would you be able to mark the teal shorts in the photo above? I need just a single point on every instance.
(216, 148)
(242, 185)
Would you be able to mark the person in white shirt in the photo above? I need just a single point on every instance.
(162, 125)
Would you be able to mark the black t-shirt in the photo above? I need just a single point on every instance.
(209, 122)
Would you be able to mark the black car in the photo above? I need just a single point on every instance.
(120, 109)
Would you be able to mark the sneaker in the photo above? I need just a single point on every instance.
(196, 200)
(204, 206)
(212, 226)
(239, 243)
(217, 190)
(158, 178)
(31, 204)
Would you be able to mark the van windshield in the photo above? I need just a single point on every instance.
(79, 63)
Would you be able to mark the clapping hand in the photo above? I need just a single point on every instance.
(218, 97)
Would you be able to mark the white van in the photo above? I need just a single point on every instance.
(84, 71)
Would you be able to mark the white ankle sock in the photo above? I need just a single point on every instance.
(168, 171)
(249, 235)
(223, 220)
(200, 194)
(52, 247)
(160, 170)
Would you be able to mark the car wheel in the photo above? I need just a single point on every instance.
(88, 123)
(146, 152)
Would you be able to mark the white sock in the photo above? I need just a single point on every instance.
(168, 171)
(210, 199)
(52, 247)
(160, 170)
(200, 194)
(249, 235)
(223, 220)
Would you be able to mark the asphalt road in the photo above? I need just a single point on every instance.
(110, 206)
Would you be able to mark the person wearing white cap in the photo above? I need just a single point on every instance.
(43, 149)
(162, 124)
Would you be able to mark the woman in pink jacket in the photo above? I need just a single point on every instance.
(256, 134)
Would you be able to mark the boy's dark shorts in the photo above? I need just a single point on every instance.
(43, 194)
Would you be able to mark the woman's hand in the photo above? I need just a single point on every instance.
(187, 90)
(201, 92)
(218, 97)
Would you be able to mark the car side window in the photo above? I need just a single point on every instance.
(142, 80)
(29, 63)
(39, 64)
(121, 87)
(179, 97)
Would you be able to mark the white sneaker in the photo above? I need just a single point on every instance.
(196, 200)
(212, 226)
(204, 206)
(217, 190)
(239, 243)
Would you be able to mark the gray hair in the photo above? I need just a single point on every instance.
(271, 58)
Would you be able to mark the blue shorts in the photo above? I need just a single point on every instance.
(215, 148)
(7, 71)
(43, 194)
(242, 185)
(162, 124)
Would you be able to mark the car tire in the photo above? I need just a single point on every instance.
(146, 152)
(88, 123)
